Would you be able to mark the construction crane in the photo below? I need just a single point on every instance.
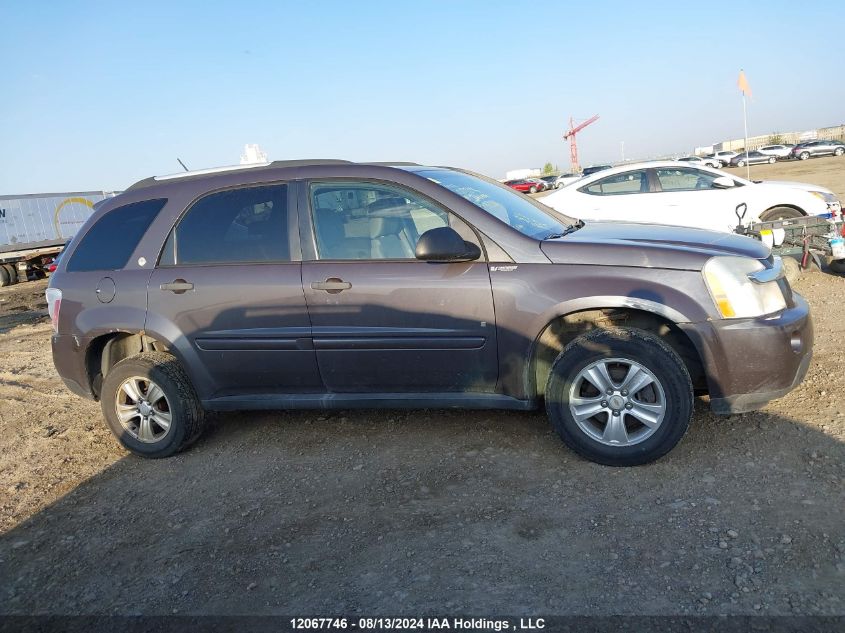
(573, 146)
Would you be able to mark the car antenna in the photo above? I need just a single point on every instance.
(183, 164)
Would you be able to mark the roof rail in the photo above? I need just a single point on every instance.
(394, 163)
(146, 182)
(210, 170)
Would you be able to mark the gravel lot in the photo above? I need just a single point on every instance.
(417, 512)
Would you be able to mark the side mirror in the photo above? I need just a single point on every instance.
(445, 245)
(723, 182)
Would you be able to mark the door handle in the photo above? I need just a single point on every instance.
(177, 286)
(332, 285)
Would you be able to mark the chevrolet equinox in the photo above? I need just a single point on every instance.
(330, 284)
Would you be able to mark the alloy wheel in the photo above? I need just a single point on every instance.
(617, 402)
(143, 409)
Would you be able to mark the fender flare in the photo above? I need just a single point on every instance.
(597, 302)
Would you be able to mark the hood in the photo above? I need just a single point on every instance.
(643, 245)
(794, 185)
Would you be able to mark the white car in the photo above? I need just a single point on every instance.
(698, 160)
(778, 151)
(566, 179)
(677, 193)
(724, 158)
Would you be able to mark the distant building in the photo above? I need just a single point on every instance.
(516, 174)
(837, 132)
(253, 154)
(703, 151)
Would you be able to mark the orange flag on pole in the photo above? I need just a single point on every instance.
(742, 83)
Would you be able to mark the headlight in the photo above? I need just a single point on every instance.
(738, 288)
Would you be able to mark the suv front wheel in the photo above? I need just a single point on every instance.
(619, 396)
(150, 405)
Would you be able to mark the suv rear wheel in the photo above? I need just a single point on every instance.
(619, 396)
(839, 151)
(150, 405)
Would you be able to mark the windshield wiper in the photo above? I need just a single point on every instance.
(569, 229)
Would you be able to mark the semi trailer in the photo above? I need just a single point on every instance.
(35, 227)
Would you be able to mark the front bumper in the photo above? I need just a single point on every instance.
(749, 362)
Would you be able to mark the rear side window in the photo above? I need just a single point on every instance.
(237, 226)
(109, 244)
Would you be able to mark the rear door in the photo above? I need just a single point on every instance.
(228, 290)
(382, 320)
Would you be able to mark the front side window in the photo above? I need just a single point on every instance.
(237, 226)
(619, 184)
(369, 221)
(109, 244)
(683, 179)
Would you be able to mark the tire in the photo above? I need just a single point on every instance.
(780, 213)
(772, 160)
(837, 266)
(839, 151)
(804, 155)
(5, 280)
(13, 273)
(186, 415)
(740, 163)
(671, 384)
(792, 270)
(532, 190)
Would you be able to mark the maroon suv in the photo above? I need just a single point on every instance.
(328, 284)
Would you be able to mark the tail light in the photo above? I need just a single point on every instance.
(54, 304)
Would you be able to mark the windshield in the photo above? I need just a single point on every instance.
(514, 209)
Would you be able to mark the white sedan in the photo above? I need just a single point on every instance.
(683, 195)
(701, 162)
(778, 151)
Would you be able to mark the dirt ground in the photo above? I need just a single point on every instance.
(399, 512)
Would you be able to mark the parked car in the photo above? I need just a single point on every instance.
(525, 185)
(542, 185)
(593, 169)
(566, 179)
(677, 193)
(803, 151)
(751, 158)
(329, 284)
(778, 151)
(550, 181)
(698, 160)
(724, 157)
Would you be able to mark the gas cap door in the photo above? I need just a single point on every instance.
(106, 290)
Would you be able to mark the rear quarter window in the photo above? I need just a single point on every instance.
(109, 244)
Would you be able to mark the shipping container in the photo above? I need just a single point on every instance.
(35, 227)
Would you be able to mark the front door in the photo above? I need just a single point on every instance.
(623, 197)
(228, 294)
(691, 200)
(382, 320)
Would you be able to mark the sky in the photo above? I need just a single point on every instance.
(97, 95)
